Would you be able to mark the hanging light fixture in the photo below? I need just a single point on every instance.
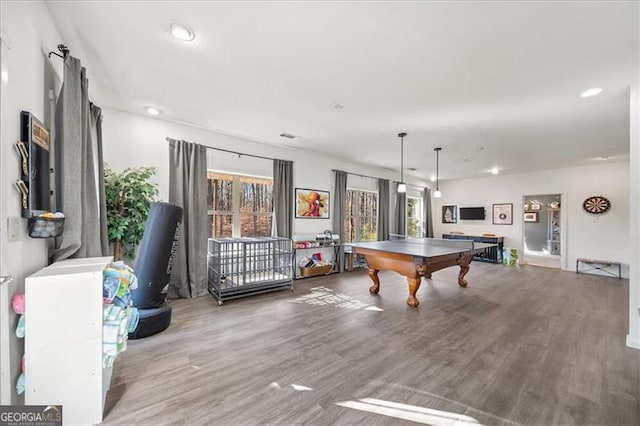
(437, 193)
(402, 187)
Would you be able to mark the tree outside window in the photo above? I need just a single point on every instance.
(361, 216)
(219, 202)
(239, 206)
(414, 217)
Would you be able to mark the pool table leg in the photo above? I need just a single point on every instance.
(414, 285)
(373, 274)
(464, 268)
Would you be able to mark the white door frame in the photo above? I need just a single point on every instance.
(563, 229)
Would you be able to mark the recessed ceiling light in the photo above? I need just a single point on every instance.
(337, 106)
(153, 111)
(288, 136)
(182, 32)
(433, 178)
(591, 92)
(603, 158)
(494, 171)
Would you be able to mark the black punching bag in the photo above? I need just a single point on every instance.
(156, 255)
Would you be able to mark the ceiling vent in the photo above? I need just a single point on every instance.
(288, 136)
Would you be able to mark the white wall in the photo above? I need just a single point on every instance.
(132, 140)
(633, 338)
(603, 236)
(28, 34)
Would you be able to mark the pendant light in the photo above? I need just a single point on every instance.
(402, 187)
(437, 193)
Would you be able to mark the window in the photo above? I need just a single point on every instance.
(239, 206)
(414, 217)
(361, 216)
(219, 201)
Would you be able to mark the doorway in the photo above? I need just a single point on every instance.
(542, 230)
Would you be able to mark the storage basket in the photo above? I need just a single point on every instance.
(315, 271)
(45, 227)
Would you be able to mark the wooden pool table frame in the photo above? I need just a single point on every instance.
(412, 267)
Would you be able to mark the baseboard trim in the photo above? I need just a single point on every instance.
(633, 343)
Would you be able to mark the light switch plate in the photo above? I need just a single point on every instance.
(14, 229)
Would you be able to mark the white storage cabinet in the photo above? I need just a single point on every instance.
(63, 339)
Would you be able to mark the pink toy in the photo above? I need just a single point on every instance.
(18, 303)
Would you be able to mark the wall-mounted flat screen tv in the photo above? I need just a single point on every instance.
(472, 213)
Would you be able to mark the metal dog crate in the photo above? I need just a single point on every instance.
(239, 267)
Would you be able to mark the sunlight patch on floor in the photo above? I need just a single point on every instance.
(461, 407)
(322, 296)
(301, 388)
(413, 413)
(542, 258)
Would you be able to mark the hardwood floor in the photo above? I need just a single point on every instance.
(539, 258)
(521, 345)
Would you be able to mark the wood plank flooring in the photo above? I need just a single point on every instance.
(533, 346)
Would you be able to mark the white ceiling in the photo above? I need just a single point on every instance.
(493, 84)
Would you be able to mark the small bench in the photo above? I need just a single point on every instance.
(600, 265)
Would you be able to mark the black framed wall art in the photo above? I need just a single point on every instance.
(503, 214)
(449, 214)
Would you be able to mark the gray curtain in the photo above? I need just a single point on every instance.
(188, 189)
(383, 209)
(79, 174)
(339, 206)
(282, 225)
(427, 214)
(401, 212)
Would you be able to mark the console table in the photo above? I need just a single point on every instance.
(490, 254)
(600, 265)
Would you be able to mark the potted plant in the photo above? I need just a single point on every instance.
(129, 195)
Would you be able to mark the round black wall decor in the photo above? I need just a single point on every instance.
(596, 204)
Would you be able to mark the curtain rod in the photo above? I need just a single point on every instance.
(415, 186)
(168, 139)
(371, 177)
(355, 174)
